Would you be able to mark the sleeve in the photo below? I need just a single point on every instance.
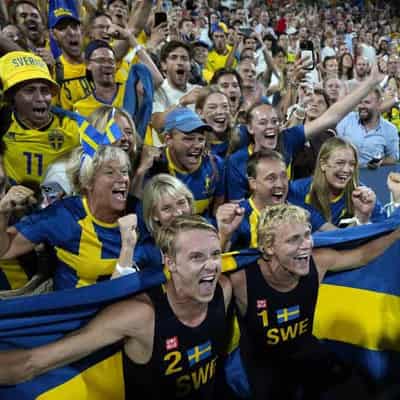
(293, 141)
(220, 187)
(44, 226)
(236, 180)
(392, 140)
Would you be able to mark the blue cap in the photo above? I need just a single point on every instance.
(184, 120)
(62, 9)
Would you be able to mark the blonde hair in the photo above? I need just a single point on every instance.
(101, 116)
(166, 235)
(82, 169)
(155, 188)
(273, 216)
(319, 191)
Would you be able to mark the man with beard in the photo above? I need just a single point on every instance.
(375, 138)
(362, 69)
(185, 158)
(175, 91)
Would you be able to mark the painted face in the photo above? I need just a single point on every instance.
(177, 67)
(186, 150)
(170, 207)
(110, 188)
(229, 85)
(339, 169)
(264, 126)
(292, 248)
(216, 112)
(32, 103)
(127, 140)
(102, 66)
(196, 266)
(270, 185)
(68, 34)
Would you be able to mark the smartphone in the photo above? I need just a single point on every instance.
(246, 32)
(307, 51)
(160, 18)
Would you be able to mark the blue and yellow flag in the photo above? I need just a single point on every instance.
(357, 315)
(90, 137)
(33, 321)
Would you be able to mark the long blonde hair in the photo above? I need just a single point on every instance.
(319, 191)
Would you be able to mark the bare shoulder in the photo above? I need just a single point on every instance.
(130, 314)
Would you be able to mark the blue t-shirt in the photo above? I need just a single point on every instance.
(237, 185)
(86, 248)
(299, 195)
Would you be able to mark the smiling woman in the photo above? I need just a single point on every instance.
(335, 192)
(82, 229)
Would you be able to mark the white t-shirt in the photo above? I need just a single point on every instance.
(166, 96)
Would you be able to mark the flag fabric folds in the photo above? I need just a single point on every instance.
(357, 314)
(90, 137)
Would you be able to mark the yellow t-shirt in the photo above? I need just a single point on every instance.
(216, 61)
(29, 151)
(73, 83)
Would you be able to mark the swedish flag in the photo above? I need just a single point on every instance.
(199, 353)
(90, 137)
(287, 314)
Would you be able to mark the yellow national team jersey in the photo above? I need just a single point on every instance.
(216, 61)
(73, 83)
(90, 103)
(29, 152)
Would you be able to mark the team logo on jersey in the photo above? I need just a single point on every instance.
(199, 353)
(10, 135)
(288, 314)
(172, 343)
(56, 139)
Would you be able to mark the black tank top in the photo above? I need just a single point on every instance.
(278, 324)
(184, 361)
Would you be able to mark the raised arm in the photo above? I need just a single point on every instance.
(12, 243)
(121, 320)
(337, 260)
(341, 108)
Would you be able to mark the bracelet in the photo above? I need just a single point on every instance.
(126, 270)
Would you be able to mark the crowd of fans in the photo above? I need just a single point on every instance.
(118, 116)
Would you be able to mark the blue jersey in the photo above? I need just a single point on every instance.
(206, 183)
(237, 185)
(220, 148)
(86, 248)
(299, 194)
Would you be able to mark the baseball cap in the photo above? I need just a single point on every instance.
(61, 12)
(21, 66)
(200, 43)
(185, 120)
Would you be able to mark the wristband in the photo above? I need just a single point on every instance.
(126, 270)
